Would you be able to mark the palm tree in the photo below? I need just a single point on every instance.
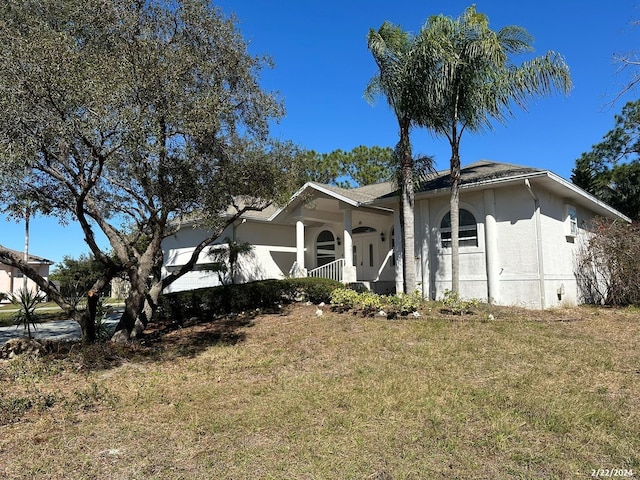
(477, 83)
(404, 71)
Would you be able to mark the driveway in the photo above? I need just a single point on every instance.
(56, 330)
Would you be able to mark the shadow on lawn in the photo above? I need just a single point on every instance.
(191, 338)
(162, 341)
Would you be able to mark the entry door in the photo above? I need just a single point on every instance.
(365, 256)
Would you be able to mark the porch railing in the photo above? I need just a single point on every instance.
(331, 270)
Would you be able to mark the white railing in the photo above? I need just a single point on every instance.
(331, 270)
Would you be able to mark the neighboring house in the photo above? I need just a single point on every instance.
(520, 229)
(12, 280)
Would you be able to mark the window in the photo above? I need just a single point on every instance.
(371, 254)
(325, 248)
(467, 231)
(571, 219)
(358, 230)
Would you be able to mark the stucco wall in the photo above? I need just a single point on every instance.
(518, 278)
(524, 254)
(560, 249)
(272, 255)
(437, 271)
(519, 262)
(11, 277)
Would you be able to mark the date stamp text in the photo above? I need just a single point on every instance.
(612, 472)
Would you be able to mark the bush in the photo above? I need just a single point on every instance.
(405, 303)
(264, 294)
(455, 304)
(608, 264)
(345, 297)
(368, 302)
(26, 301)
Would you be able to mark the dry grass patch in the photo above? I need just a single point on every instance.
(526, 395)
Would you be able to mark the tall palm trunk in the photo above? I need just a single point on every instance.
(27, 218)
(454, 206)
(408, 203)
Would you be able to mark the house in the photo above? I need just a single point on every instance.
(520, 230)
(12, 279)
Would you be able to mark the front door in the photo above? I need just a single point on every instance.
(365, 256)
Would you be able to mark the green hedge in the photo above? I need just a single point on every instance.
(263, 294)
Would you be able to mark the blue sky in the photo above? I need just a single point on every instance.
(322, 66)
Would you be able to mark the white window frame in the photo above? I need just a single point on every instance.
(571, 220)
(445, 243)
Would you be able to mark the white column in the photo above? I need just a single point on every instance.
(348, 240)
(397, 250)
(491, 246)
(349, 273)
(301, 270)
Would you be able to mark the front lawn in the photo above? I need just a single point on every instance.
(504, 393)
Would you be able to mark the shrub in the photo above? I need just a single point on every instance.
(345, 297)
(608, 264)
(405, 303)
(370, 302)
(457, 305)
(264, 294)
(26, 300)
(316, 290)
(401, 304)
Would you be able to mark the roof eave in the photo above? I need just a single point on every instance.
(599, 205)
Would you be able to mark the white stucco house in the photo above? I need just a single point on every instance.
(12, 279)
(520, 229)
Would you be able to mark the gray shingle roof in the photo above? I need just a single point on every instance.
(478, 172)
(32, 258)
(363, 194)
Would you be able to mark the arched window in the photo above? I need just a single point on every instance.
(325, 248)
(467, 231)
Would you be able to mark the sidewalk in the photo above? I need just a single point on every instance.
(56, 330)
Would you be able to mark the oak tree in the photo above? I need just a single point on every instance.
(128, 116)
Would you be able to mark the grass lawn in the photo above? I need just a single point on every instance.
(534, 395)
(46, 313)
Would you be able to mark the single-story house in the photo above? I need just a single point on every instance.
(12, 279)
(520, 230)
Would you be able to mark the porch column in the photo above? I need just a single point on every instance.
(349, 274)
(397, 250)
(491, 246)
(300, 271)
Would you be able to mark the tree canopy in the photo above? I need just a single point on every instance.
(455, 75)
(405, 66)
(361, 166)
(611, 170)
(129, 116)
(76, 276)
